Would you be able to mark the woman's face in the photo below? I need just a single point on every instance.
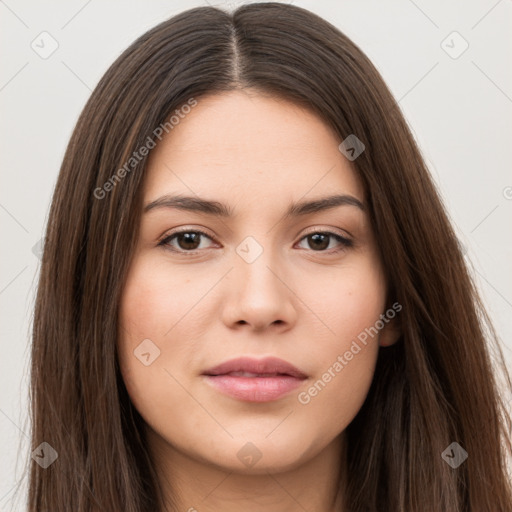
(305, 286)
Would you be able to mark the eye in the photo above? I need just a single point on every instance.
(319, 241)
(188, 240)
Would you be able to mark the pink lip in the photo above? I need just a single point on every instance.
(274, 378)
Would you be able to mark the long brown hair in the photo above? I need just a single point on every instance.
(434, 387)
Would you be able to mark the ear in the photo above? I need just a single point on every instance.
(391, 332)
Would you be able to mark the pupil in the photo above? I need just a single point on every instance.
(317, 238)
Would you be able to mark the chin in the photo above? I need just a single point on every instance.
(249, 455)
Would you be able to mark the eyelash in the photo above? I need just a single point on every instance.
(346, 243)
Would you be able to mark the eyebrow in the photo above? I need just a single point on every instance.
(296, 209)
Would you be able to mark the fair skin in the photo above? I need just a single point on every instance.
(301, 300)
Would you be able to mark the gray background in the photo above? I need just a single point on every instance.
(459, 107)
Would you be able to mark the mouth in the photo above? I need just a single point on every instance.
(253, 380)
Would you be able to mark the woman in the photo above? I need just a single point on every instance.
(250, 293)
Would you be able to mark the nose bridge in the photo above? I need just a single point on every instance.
(253, 266)
(258, 295)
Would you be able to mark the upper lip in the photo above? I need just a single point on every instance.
(257, 366)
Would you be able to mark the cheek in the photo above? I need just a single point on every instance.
(153, 299)
(347, 353)
(156, 332)
(147, 311)
(347, 303)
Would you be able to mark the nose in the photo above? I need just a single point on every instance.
(259, 295)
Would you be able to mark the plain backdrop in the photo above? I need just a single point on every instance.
(448, 64)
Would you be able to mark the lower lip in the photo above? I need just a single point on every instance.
(254, 389)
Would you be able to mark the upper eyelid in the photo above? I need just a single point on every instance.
(329, 231)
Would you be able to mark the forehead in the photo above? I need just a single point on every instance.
(255, 146)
